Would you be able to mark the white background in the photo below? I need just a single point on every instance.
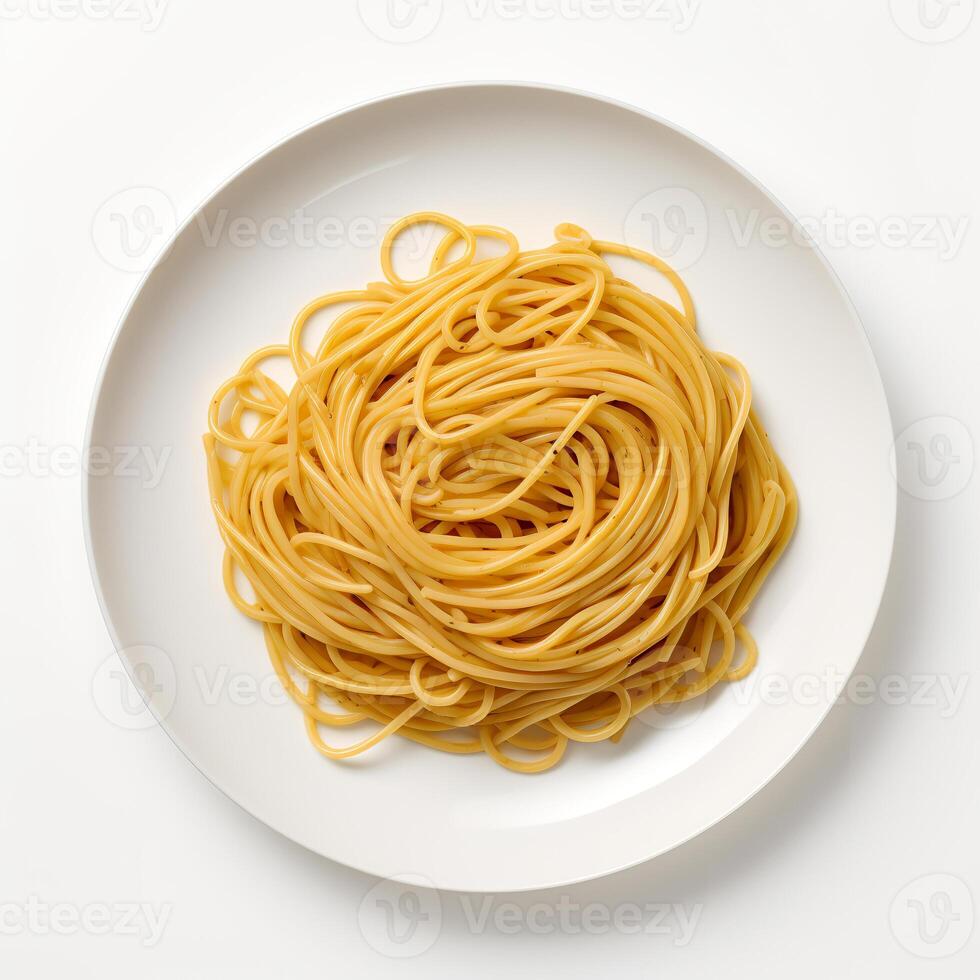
(846, 117)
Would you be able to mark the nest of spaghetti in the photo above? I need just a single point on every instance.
(500, 508)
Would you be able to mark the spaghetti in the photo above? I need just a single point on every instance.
(502, 507)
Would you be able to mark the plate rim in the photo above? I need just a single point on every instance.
(391, 97)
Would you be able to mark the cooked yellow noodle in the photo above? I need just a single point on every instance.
(502, 507)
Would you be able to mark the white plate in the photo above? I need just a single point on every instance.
(525, 157)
